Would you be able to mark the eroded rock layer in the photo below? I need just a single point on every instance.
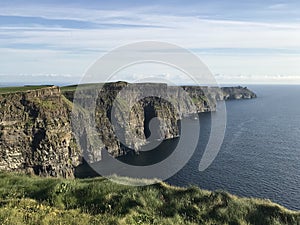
(35, 126)
(35, 133)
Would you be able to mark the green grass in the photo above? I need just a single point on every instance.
(34, 200)
(4, 90)
(68, 88)
(75, 86)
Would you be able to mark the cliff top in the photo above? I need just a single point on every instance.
(99, 201)
(7, 90)
(26, 88)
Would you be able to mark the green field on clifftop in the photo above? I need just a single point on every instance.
(35, 200)
(4, 90)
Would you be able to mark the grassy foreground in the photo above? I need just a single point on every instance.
(34, 200)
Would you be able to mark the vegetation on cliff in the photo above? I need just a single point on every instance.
(4, 90)
(34, 200)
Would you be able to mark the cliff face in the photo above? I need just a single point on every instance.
(123, 115)
(36, 135)
(223, 93)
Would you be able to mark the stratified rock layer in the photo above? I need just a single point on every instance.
(35, 126)
(35, 133)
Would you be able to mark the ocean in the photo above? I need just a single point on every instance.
(260, 154)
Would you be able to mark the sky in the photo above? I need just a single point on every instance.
(240, 41)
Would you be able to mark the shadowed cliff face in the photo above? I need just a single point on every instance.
(36, 135)
(128, 116)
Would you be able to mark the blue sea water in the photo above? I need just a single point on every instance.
(260, 154)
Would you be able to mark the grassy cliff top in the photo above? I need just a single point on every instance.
(5, 90)
(34, 200)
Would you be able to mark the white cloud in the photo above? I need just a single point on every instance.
(278, 6)
(58, 50)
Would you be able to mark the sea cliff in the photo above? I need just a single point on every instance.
(35, 125)
(35, 133)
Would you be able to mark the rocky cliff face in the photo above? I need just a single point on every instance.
(36, 135)
(124, 113)
(223, 93)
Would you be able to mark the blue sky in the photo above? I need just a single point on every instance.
(240, 41)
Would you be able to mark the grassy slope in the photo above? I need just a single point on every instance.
(34, 200)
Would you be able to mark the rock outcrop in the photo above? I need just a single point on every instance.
(35, 126)
(35, 133)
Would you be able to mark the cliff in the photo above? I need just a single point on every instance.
(36, 134)
(132, 113)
